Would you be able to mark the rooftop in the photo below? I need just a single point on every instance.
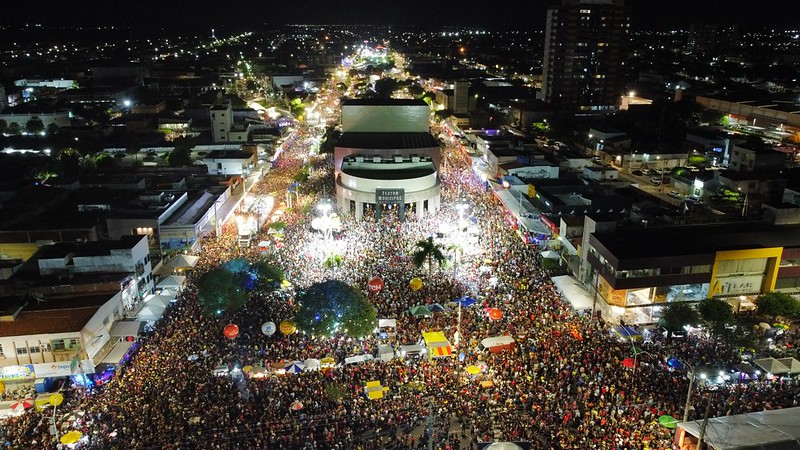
(382, 102)
(697, 239)
(91, 248)
(48, 321)
(387, 140)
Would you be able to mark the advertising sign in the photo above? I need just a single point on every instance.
(22, 372)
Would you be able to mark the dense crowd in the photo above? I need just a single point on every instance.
(562, 387)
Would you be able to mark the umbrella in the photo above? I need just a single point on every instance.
(628, 362)
(466, 301)
(421, 310)
(296, 405)
(495, 314)
(436, 308)
(473, 370)
(311, 363)
(247, 369)
(294, 367)
(194, 420)
(675, 363)
(487, 384)
(764, 326)
(71, 437)
(668, 421)
(193, 357)
(22, 405)
(781, 326)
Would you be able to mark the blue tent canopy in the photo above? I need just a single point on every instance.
(627, 332)
(466, 301)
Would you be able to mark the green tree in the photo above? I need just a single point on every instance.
(181, 156)
(333, 261)
(13, 129)
(385, 87)
(69, 162)
(34, 125)
(221, 290)
(268, 277)
(335, 305)
(777, 304)
(104, 161)
(52, 129)
(3, 126)
(132, 148)
(430, 252)
(677, 315)
(716, 313)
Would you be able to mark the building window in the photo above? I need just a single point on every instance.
(58, 345)
(2, 355)
(33, 350)
(22, 351)
(105, 321)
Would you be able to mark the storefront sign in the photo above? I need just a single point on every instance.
(54, 369)
(389, 196)
(738, 285)
(23, 372)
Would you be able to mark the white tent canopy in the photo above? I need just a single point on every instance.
(181, 262)
(159, 300)
(173, 282)
(792, 364)
(578, 297)
(126, 328)
(151, 313)
(772, 366)
(116, 353)
(387, 323)
(550, 254)
(766, 430)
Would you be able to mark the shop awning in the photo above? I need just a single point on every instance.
(116, 353)
(173, 282)
(573, 292)
(126, 328)
(792, 364)
(772, 366)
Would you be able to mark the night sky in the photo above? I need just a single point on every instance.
(659, 14)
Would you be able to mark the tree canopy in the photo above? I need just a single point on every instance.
(221, 290)
(677, 315)
(716, 313)
(428, 251)
(777, 304)
(332, 306)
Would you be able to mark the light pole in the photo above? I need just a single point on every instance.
(461, 207)
(692, 375)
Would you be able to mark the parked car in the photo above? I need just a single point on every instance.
(638, 173)
(693, 199)
(656, 180)
(675, 194)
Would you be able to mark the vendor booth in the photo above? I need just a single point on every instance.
(437, 344)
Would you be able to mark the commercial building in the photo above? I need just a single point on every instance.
(68, 297)
(637, 271)
(583, 53)
(386, 160)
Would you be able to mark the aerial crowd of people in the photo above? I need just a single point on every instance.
(563, 386)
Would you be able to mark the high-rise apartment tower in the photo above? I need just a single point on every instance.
(584, 53)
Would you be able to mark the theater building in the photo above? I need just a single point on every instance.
(386, 160)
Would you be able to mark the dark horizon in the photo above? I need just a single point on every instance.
(646, 14)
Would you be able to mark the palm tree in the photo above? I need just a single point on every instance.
(429, 251)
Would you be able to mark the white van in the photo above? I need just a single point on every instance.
(497, 344)
(385, 353)
(360, 359)
(411, 350)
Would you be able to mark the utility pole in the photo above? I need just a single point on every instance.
(705, 421)
(688, 397)
(431, 420)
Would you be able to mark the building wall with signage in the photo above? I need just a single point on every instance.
(745, 272)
